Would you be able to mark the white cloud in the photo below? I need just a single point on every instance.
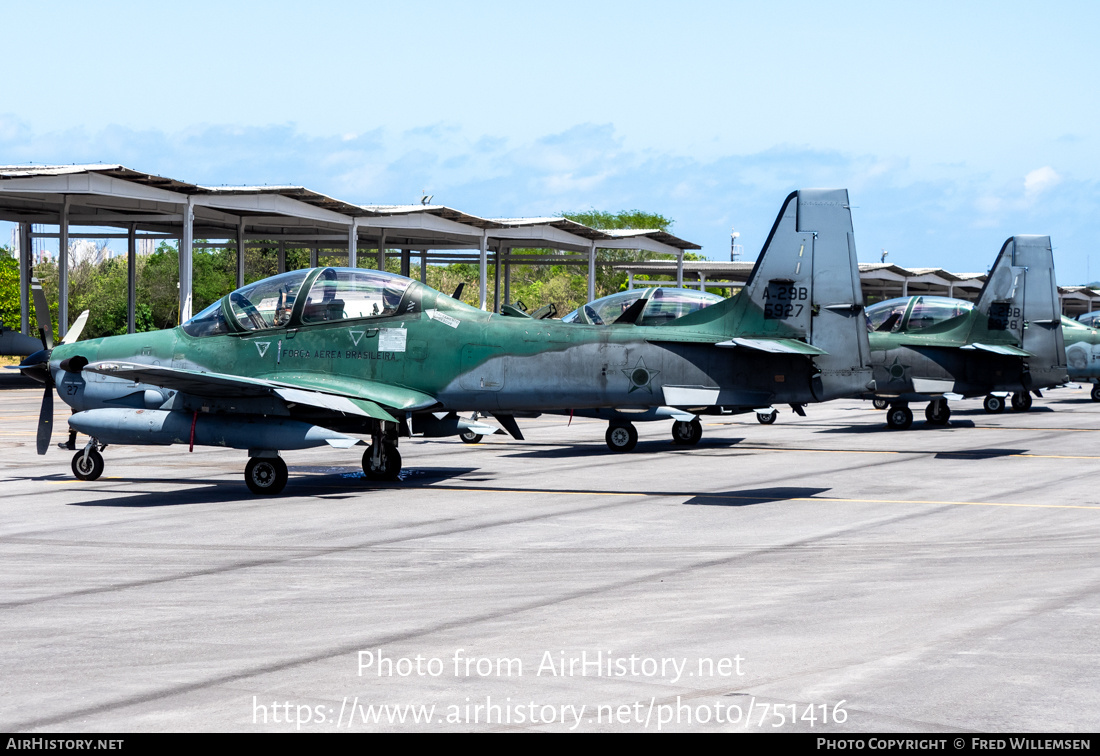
(1039, 180)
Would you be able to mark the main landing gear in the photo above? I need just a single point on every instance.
(622, 438)
(1096, 392)
(1021, 401)
(899, 416)
(266, 476)
(994, 404)
(687, 433)
(381, 460)
(937, 412)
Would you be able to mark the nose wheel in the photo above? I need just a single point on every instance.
(767, 418)
(88, 464)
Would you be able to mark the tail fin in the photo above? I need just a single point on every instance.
(806, 285)
(1020, 301)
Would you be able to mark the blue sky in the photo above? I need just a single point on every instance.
(952, 127)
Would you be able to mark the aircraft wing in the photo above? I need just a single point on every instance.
(774, 346)
(369, 399)
(1004, 349)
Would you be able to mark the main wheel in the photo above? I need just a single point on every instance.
(388, 467)
(994, 404)
(1096, 392)
(1021, 401)
(880, 403)
(687, 433)
(469, 437)
(899, 417)
(88, 469)
(621, 438)
(767, 418)
(937, 413)
(265, 476)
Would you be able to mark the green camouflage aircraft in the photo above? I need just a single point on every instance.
(305, 358)
(932, 348)
(1083, 352)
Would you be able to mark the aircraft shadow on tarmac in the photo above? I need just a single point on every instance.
(918, 426)
(750, 496)
(347, 481)
(659, 446)
(980, 454)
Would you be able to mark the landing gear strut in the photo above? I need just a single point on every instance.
(88, 463)
(937, 412)
(381, 460)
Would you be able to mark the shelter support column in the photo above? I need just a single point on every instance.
(314, 256)
(630, 279)
(382, 251)
(353, 244)
(424, 267)
(483, 270)
(26, 270)
(406, 262)
(240, 253)
(63, 269)
(282, 257)
(702, 282)
(186, 243)
(131, 279)
(591, 271)
(508, 275)
(496, 278)
(680, 269)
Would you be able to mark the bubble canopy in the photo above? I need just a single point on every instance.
(914, 313)
(304, 297)
(664, 304)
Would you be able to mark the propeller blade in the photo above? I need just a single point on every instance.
(42, 314)
(45, 420)
(74, 332)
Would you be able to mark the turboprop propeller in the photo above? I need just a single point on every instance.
(37, 365)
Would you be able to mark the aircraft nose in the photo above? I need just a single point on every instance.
(37, 366)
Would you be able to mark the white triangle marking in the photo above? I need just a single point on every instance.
(261, 346)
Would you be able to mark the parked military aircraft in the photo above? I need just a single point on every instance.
(924, 348)
(1083, 351)
(658, 305)
(307, 357)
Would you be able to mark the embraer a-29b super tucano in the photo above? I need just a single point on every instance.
(305, 358)
(925, 348)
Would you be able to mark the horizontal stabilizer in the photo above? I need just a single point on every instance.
(1005, 349)
(774, 346)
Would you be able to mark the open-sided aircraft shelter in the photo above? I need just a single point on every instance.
(143, 206)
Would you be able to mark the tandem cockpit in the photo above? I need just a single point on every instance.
(308, 297)
(917, 313)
